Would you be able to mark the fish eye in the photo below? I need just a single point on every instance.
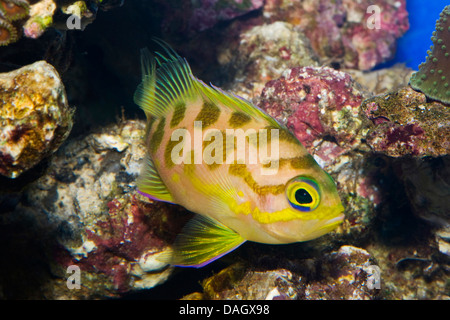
(303, 194)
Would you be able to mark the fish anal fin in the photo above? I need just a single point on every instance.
(202, 241)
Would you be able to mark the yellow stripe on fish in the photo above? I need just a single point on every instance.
(245, 175)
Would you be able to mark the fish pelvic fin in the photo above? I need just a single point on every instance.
(150, 183)
(202, 241)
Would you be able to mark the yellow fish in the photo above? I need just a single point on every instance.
(216, 154)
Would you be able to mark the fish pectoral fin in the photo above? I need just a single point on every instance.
(202, 241)
(150, 184)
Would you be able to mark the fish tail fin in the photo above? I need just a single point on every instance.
(166, 80)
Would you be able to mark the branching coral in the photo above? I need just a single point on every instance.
(433, 77)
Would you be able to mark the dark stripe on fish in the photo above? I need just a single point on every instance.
(209, 114)
(178, 114)
(168, 152)
(283, 135)
(238, 119)
(157, 136)
(240, 170)
(303, 162)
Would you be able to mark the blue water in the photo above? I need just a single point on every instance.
(412, 47)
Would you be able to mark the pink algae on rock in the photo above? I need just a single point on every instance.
(356, 34)
(120, 240)
(320, 106)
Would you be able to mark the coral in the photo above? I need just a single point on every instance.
(207, 13)
(433, 77)
(8, 33)
(339, 30)
(34, 115)
(11, 12)
(35, 17)
(14, 9)
(416, 271)
(406, 124)
(41, 17)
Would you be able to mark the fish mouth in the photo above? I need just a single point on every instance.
(333, 223)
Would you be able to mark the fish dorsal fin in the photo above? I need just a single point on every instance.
(166, 79)
(233, 101)
(150, 184)
(202, 241)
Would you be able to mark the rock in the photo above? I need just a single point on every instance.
(315, 103)
(237, 282)
(379, 271)
(383, 80)
(427, 184)
(265, 52)
(347, 274)
(413, 271)
(346, 32)
(342, 274)
(34, 115)
(405, 123)
(190, 17)
(321, 106)
(86, 214)
(443, 239)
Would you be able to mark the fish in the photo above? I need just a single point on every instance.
(245, 175)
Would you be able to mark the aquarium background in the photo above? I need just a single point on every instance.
(422, 17)
(72, 225)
